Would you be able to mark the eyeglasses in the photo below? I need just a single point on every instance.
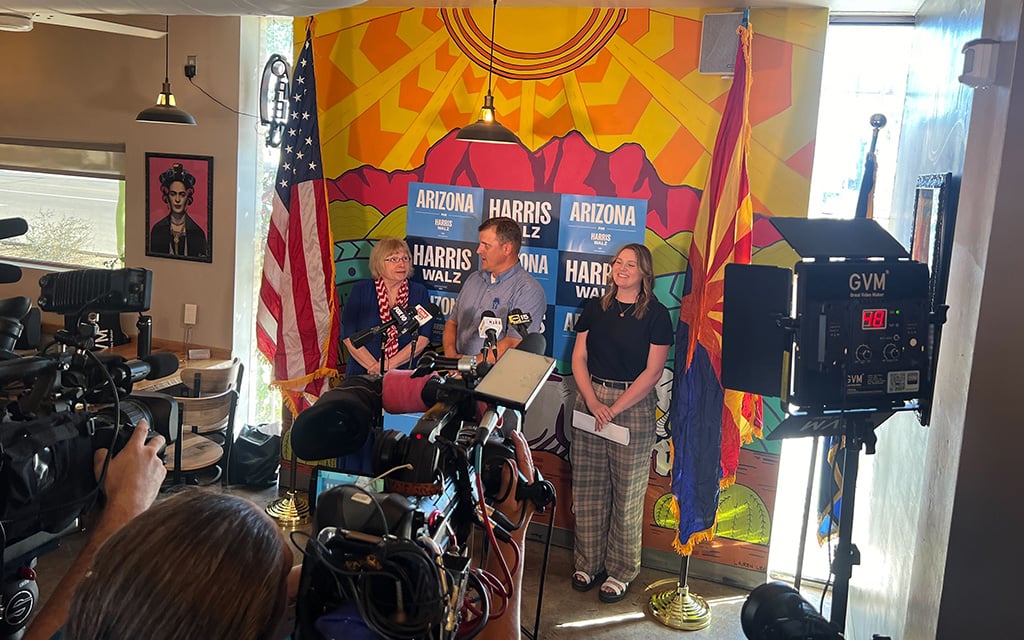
(397, 259)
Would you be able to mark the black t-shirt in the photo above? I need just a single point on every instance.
(617, 347)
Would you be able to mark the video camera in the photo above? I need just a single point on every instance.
(56, 409)
(397, 563)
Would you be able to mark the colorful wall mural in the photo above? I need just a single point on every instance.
(606, 102)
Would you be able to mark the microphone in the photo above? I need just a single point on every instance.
(16, 308)
(420, 315)
(430, 361)
(534, 343)
(489, 327)
(12, 227)
(403, 393)
(520, 320)
(9, 273)
(340, 421)
(399, 317)
(126, 373)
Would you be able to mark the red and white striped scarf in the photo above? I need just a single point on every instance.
(391, 343)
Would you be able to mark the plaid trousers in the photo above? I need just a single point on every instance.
(609, 482)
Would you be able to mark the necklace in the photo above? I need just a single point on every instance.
(622, 312)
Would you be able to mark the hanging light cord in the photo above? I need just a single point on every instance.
(167, 76)
(490, 63)
(241, 113)
(167, 47)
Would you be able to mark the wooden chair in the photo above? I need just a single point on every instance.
(207, 417)
(214, 379)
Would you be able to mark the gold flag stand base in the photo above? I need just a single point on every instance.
(677, 607)
(289, 511)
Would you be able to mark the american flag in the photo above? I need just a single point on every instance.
(297, 318)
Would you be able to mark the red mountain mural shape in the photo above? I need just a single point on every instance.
(564, 165)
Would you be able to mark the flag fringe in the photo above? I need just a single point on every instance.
(288, 393)
(695, 538)
(746, 437)
(727, 481)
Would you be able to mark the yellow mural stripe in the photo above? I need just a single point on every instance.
(527, 114)
(801, 27)
(780, 188)
(341, 115)
(660, 36)
(684, 105)
(401, 155)
(793, 128)
(577, 106)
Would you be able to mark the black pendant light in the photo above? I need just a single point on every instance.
(165, 111)
(487, 128)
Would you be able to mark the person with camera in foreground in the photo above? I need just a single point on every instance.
(208, 565)
(131, 483)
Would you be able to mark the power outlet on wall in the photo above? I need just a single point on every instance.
(190, 314)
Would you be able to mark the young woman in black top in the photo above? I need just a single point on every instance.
(622, 342)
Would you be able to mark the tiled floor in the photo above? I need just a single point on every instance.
(565, 613)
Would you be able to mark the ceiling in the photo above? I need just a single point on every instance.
(309, 7)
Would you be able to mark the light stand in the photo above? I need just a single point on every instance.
(677, 607)
(858, 427)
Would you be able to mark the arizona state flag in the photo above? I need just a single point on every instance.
(710, 424)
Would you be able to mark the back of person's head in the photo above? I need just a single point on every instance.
(196, 565)
(507, 230)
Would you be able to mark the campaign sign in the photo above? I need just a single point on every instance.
(442, 265)
(581, 276)
(537, 214)
(445, 301)
(546, 328)
(563, 328)
(595, 224)
(443, 211)
(542, 264)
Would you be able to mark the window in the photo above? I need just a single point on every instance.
(857, 81)
(72, 198)
(276, 36)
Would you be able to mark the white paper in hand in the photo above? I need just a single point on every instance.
(610, 431)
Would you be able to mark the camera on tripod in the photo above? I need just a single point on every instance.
(399, 561)
(56, 409)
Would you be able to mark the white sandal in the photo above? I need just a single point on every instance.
(613, 590)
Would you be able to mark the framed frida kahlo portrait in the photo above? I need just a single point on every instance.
(179, 207)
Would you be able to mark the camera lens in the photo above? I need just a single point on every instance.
(116, 429)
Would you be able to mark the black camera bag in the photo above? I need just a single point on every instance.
(46, 473)
(255, 457)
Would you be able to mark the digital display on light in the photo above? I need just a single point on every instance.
(874, 319)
